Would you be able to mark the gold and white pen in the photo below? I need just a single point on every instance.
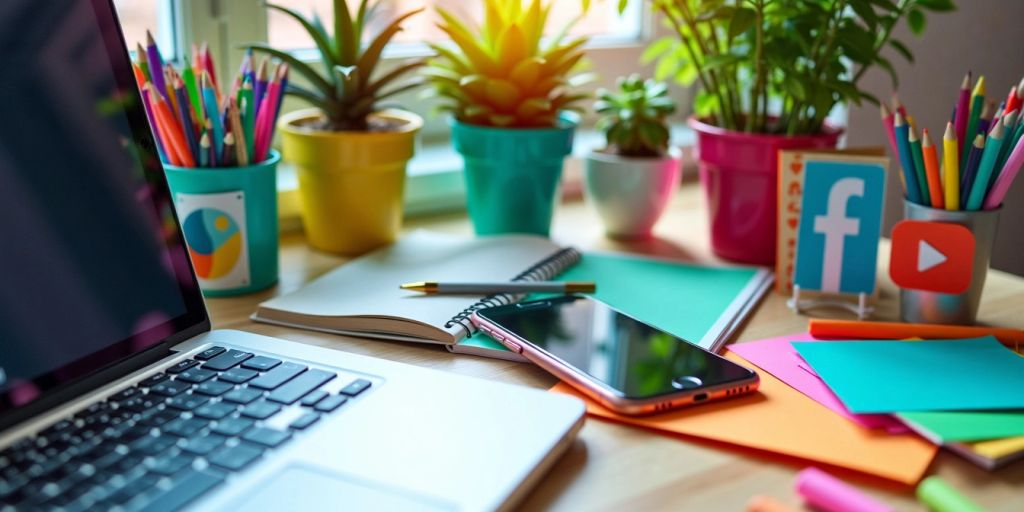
(430, 287)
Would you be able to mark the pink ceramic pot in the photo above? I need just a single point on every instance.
(739, 173)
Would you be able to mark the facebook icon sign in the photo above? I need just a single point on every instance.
(840, 224)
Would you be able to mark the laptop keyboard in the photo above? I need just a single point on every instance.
(174, 436)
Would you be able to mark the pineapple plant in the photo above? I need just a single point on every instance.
(347, 91)
(502, 73)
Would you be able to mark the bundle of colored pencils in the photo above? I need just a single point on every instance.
(195, 123)
(983, 150)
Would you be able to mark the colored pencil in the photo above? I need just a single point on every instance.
(259, 88)
(140, 77)
(264, 122)
(1009, 172)
(156, 64)
(897, 105)
(204, 149)
(214, 157)
(988, 163)
(931, 167)
(147, 104)
(1010, 123)
(951, 168)
(977, 104)
(963, 110)
(986, 120)
(188, 75)
(142, 61)
(279, 101)
(890, 132)
(918, 156)
(228, 157)
(909, 174)
(185, 117)
(174, 138)
(210, 106)
(968, 172)
(241, 150)
(248, 111)
(1012, 100)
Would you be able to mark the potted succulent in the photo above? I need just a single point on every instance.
(632, 179)
(350, 153)
(770, 72)
(510, 94)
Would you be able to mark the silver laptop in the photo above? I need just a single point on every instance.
(114, 392)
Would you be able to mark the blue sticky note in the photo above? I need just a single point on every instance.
(872, 377)
(840, 224)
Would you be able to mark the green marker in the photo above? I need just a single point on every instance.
(918, 155)
(939, 496)
(986, 167)
(977, 104)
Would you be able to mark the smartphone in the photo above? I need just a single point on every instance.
(624, 364)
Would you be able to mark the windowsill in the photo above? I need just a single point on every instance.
(434, 183)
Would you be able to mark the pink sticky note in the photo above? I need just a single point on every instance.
(778, 357)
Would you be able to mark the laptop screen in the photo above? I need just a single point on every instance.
(92, 264)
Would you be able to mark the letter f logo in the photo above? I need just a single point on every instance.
(836, 226)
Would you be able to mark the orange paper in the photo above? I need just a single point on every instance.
(782, 420)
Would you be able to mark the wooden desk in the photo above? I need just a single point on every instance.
(623, 468)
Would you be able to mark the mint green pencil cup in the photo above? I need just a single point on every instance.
(229, 217)
(513, 174)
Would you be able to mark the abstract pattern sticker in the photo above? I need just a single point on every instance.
(216, 234)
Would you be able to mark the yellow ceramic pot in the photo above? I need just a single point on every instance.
(350, 183)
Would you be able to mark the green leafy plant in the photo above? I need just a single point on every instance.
(347, 91)
(502, 73)
(780, 66)
(633, 118)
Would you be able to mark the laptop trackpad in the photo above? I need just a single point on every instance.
(309, 488)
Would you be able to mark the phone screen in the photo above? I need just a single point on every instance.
(626, 354)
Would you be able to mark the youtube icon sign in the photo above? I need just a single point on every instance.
(932, 256)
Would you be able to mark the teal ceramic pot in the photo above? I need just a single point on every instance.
(512, 174)
(229, 218)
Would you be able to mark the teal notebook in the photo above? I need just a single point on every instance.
(701, 304)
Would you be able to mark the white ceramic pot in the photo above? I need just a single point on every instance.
(630, 194)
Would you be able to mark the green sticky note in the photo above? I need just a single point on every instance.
(950, 427)
(904, 376)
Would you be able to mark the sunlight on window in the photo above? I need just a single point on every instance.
(137, 16)
(602, 20)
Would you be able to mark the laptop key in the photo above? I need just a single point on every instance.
(187, 402)
(234, 458)
(125, 394)
(278, 376)
(170, 388)
(167, 466)
(261, 363)
(151, 446)
(181, 366)
(153, 380)
(196, 375)
(161, 417)
(214, 388)
(311, 399)
(266, 436)
(215, 411)
(184, 427)
(210, 353)
(356, 387)
(261, 410)
(189, 486)
(243, 395)
(203, 445)
(238, 375)
(232, 427)
(305, 421)
(298, 387)
(330, 403)
(227, 360)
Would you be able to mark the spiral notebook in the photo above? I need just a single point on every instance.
(362, 298)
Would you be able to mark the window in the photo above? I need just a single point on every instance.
(138, 16)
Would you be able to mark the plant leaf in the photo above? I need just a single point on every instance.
(902, 49)
(937, 5)
(916, 21)
(742, 20)
(344, 34)
(327, 88)
(322, 43)
(369, 59)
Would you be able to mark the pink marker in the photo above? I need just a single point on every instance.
(827, 493)
(1010, 170)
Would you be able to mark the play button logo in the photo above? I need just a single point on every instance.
(928, 257)
(932, 256)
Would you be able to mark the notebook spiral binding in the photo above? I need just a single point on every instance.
(542, 271)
